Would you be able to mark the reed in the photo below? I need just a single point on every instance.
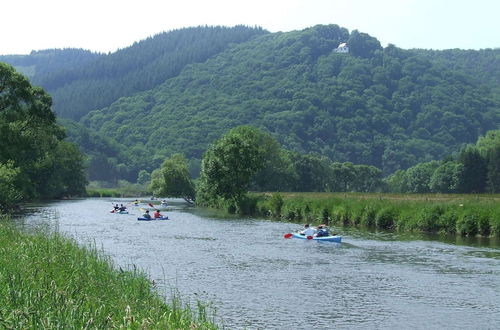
(48, 282)
(467, 215)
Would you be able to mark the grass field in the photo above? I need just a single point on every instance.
(461, 214)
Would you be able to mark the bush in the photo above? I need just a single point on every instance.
(467, 224)
(385, 218)
(428, 218)
(276, 204)
(448, 222)
(483, 225)
(368, 216)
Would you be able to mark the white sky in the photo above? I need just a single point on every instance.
(106, 25)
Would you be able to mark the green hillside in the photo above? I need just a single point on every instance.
(386, 107)
(93, 84)
(181, 90)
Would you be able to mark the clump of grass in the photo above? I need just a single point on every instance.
(49, 282)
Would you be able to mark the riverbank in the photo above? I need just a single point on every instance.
(48, 281)
(467, 215)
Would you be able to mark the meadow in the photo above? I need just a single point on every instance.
(467, 215)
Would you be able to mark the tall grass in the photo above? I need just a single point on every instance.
(466, 215)
(48, 282)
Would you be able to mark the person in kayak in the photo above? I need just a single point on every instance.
(122, 208)
(322, 231)
(308, 230)
(157, 214)
(146, 215)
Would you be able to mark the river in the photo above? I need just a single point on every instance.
(256, 279)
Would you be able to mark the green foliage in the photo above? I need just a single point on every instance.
(230, 163)
(144, 177)
(172, 179)
(92, 81)
(48, 281)
(493, 166)
(9, 193)
(460, 214)
(385, 218)
(276, 204)
(388, 108)
(447, 178)
(467, 224)
(37, 163)
(474, 170)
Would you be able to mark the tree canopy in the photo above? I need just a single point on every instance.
(172, 179)
(35, 162)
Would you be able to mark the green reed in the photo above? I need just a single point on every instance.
(466, 215)
(48, 282)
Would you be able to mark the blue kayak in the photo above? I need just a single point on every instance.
(152, 219)
(119, 212)
(336, 239)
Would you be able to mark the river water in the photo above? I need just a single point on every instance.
(256, 279)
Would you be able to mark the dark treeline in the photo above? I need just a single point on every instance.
(246, 158)
(475, 169)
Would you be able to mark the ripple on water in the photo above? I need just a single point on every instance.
(256, 279)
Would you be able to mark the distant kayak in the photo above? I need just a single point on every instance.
(118, 212)
(336, 238)
(153, 219)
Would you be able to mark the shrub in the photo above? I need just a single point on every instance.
(385, 218)
(368, 216)
(276, 204)
(467, 224)
(448, 221)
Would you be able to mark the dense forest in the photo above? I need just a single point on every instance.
(180, 91)
(93, 82)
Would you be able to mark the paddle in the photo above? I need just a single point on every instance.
(289, 235)
(309, 237)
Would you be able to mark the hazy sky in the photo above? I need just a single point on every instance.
(106, 25)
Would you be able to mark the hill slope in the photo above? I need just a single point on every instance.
(390, 108)
(94, 81)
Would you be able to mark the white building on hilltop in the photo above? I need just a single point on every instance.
(342, 48)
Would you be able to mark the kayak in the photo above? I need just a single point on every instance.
(152, 219)
(336, 238)
(119, 212)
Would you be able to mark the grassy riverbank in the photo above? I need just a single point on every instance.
(48, 282)
(461, 214)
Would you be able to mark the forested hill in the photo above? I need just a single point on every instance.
(386, 107)
(80, 81)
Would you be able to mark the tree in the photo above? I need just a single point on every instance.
(475, 170)
(493, 176)
(31, 142)
(143, 177)
(172, 179)
(274, 174)
(229, 164)
(342, 175)
(9, 193)
(447, 178)
(419, 176)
